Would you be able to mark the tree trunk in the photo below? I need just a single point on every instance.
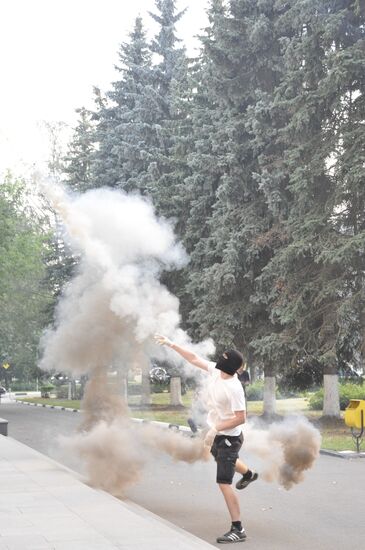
(269, 396)
(73, 389)
(83, 382)
(175, 391)
(253, 373)
(251, 366)
(331, 397)
(146, 398)
(122, 386)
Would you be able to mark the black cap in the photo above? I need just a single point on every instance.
(230, 361)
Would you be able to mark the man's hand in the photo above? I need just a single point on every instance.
(209, 438)
(162, 340)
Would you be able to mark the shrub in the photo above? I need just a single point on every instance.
(255, 391)
(134, 389)
(62, 392)
(23, 386)
(315, 402)
(350, 391)
(347, 391)
(46, 389)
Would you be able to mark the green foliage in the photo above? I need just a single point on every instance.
(256, 151)
(134, 389)
(23, 301)
(24, 386)
(304, 375)
(79, 156)
(347, 392)
(62, 392)
(46, 389)
(255, 391)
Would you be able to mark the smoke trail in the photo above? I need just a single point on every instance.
(286, 449)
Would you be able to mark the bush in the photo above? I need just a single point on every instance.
(347, 391)
(255, 391)
(46, 389)
(315, 402)
(23, 386)
(350, 391)
(134, 389)
(62, 392)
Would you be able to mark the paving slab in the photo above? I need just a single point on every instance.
(46, 506)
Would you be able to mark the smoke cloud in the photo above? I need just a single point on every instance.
(106, 319)
(286, 449)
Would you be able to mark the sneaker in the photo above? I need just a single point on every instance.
(243, 482)
(234, 535)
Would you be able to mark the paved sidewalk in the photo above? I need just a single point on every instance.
(45, 506)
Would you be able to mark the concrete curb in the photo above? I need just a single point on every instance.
(184, 429)
(349, 455)
(47, 406)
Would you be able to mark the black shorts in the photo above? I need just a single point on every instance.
(225, 450)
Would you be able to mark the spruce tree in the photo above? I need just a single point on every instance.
(313, 281)
(170, 102)
(241, 230)
(125, 119)
(77, 167)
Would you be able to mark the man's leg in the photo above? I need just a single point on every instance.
(232, 501)
(237, 532)
(248, 476)
(241, 467)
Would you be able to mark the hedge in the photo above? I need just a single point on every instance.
(347, 391)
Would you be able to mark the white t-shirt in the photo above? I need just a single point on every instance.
(224, 397)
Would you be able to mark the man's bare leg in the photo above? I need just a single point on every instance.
(232, 501)
(241, 467)
(245, 480)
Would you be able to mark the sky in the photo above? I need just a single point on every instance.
(52, 54)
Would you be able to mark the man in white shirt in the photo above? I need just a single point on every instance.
(227, 413)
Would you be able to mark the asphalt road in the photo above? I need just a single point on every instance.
(324, 512)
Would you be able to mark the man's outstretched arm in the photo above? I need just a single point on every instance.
(187, 354)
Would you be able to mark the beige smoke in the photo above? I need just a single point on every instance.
(106, 318)
(286, 449)
(115, 304)
(114, 448)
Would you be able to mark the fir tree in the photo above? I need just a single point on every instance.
(78, 160)
(125, 120)
(313, 279)
(170, 98)
(241, 231)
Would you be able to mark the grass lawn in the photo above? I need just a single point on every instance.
(335, 437)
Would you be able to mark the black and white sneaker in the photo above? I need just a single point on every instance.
(234, 535)
(244, 481)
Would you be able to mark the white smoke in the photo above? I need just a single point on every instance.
(107, 317)
(115, 304)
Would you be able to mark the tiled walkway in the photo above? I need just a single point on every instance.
(45, 506)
